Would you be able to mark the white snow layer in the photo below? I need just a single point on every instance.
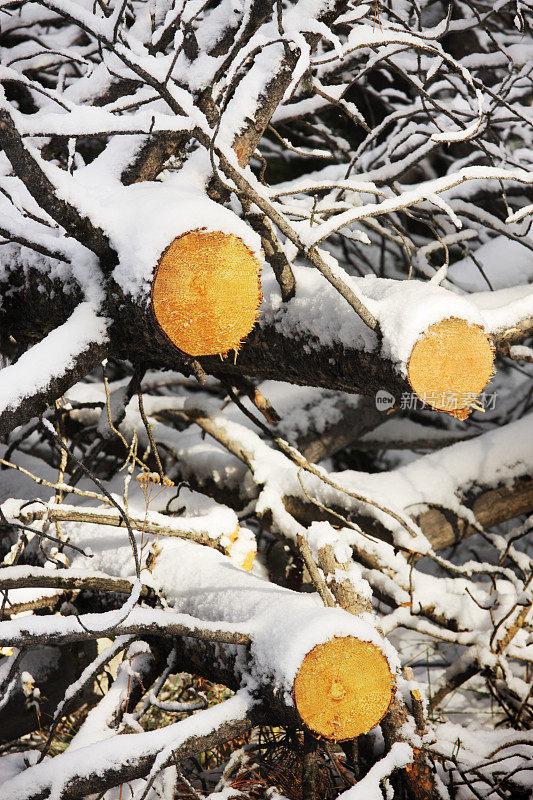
(404, 310)
(144, 218)
(54, 773)
(368, 788)
(52, 357)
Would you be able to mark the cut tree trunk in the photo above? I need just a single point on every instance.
(446, 369)
(320, 667)
(313, 665)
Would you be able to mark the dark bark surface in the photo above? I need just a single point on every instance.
(29, 315)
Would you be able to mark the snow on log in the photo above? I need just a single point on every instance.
(488, 476)
(301, 655)
(217, 528)
(482, 481)
(332, 668)
(429, 341)
(206, 292)
(321, 666)
(435, 339)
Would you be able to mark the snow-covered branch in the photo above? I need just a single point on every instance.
(295, 236)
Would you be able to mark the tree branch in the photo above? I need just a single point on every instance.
(17, 407)
(72, 780)
(27, 168)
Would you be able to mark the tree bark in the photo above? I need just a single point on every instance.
(294, 353)
(441, 526)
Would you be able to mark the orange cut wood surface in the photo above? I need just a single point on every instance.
(451, 365)
(206, 292)
(246, 562)
(343, 688)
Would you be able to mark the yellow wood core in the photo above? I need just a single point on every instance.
(451, 365)
(206, 292)
(343, 688)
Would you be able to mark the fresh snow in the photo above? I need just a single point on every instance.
(52, 357)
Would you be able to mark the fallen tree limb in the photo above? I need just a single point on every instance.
(67, 580)
(17, 408)
(238, 606)
(29, 631)
(491, 507)
(274, 84)
(265, 634)
(442, 490)
(124, 758)
(218, 528)
(355, 421)
(330, 550)
(431, 480)
(327, 654)
(443, 527)
(289, 343)
(192, 528)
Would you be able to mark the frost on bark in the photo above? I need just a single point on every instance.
(265, 399)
